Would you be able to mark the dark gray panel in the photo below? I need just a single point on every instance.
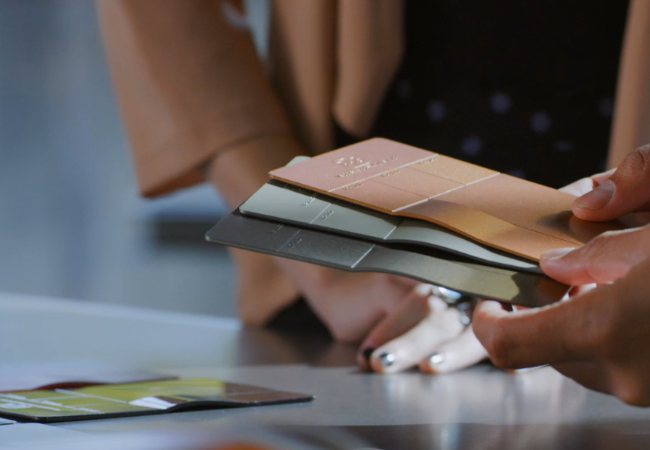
(327, 249)
(427, 265)
(253, 234)
(468, 278)
(286, 203)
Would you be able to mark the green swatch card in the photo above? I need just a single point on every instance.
(134, 399)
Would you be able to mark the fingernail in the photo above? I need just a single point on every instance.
(386, 359)
(447, 295)
(465, 309)
(598, 197)
(367, 353)
(423, 290)
(556, 253)
(436, 358)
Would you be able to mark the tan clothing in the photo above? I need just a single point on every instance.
(191, 87)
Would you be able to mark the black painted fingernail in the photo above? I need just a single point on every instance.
(367, 353)
(436, 358)
(465, 309)
(386, 359)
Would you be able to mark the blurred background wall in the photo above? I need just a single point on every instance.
(71, 223)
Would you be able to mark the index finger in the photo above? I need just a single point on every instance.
(604, 259)
(526, 338)
(625, 191)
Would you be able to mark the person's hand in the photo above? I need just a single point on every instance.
(617, 192)
(402, 322)
(349, 304)
(599, 337)
(425, 332)
(604, 259)
(606, 196)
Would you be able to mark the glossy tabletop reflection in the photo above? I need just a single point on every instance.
(481, 407)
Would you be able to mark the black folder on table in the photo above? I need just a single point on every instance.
(422, 263)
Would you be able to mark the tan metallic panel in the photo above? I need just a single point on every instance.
(498, 210)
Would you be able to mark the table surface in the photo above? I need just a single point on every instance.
(481, 407)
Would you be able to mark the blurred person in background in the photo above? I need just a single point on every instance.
(527, 88)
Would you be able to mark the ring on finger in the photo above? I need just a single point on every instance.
(463, 303)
